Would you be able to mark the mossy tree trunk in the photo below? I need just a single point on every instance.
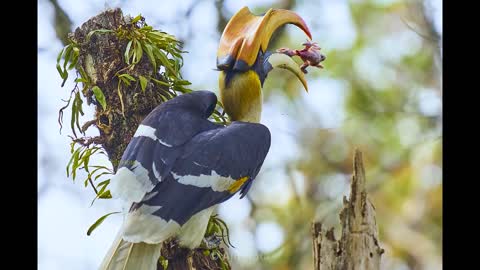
(101, 58)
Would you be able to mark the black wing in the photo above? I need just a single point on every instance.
(207, 171)
(181, 163)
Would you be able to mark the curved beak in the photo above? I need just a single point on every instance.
(280, 60)
(246, 34)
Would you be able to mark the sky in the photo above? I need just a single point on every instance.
(64, 212)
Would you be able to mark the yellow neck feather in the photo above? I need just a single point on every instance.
(242, 99)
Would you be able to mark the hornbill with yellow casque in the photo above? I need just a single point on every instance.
(179, 165)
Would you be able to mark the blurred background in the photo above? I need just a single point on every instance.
(380, 91)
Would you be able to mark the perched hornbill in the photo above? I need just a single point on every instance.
(179, 165)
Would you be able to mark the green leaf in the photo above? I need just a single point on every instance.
(68, 53)
(162, 37)
(60, 71)
(64, 79)
(105, 195)
(138, 51)
(75, 165)
(93, 172)
(164, 60)
(216, 118)
(86, 181)
(163, 261)
(160, 82)
(128, 76)
(99, 221)
(120, 96)
(86, 159)
(76, 53)
(125, 81)
(147, 28)
(79, 105)
(151, 57)
(183, 82)
(100, 174)
(127, 52)
(99, 97)
(209, 228)
(72, 147)
(60, 55)
(143, 82)
(101, 191)
(71, 159)
(136, 19)
(175, 65)
(177, 54)
(88, 154)
(74, 116)
(63, 74)
(164, 99)
(102, 31)
(79, 110)
(104, 183)
(155, 37)
(125, 78)
(59, 68)
(102, 194)
(83, 74)
(103, 167)
(81, 80)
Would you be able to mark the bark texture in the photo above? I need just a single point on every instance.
(358, 247)
(101, 57)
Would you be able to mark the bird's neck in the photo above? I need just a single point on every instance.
(242, 96)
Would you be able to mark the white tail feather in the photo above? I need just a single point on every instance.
(191, 233)
(125, 255)
(140, 225)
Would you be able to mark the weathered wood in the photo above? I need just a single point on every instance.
(358, 247)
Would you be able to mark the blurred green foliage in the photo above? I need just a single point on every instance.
(391, 112)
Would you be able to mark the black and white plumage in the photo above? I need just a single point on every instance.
(179, 165)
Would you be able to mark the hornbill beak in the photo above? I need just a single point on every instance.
(246, 38)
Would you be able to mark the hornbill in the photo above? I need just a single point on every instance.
(179, 165)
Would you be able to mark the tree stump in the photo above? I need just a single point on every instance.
(358, 247)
